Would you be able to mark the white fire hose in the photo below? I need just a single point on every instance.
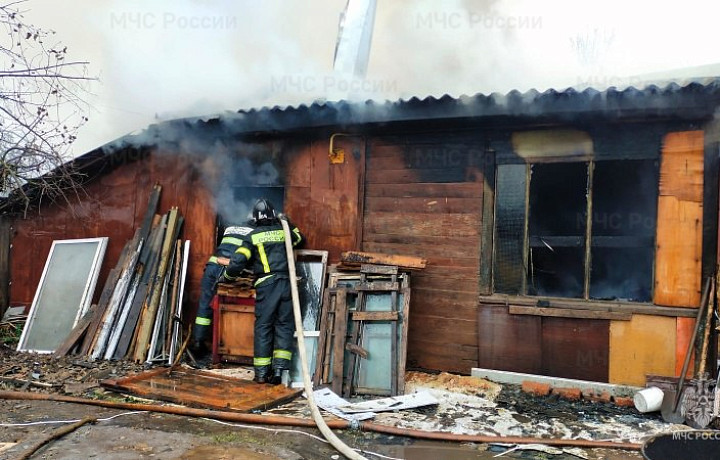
(322, 426)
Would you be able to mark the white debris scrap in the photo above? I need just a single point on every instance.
(327, 400)
(392, 403)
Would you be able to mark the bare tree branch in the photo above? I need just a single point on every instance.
(41, 108)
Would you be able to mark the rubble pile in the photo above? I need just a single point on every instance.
(67, 375)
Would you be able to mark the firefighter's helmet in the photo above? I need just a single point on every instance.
(263, 211)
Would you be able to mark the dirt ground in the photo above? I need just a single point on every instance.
(146, 435)
(121, 435)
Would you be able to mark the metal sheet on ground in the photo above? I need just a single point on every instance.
(196, 388)
(697, 445)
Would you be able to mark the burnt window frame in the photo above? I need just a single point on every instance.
(587, 262)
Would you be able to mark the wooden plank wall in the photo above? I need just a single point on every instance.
(5, 229)
(324, 199)
(559, 347)
(424, 198)
(114, 206)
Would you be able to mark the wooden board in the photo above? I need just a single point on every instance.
(563, 347)
(575, 348)
(569, 313)
(354, 257)
(421, 224)
(459, 305)
(644, 345)
(234, 323)
(338, 346)
(509, 342)
(684, 330)
(453, 357)
(681, 166)
(430, 205)
(488, 224)
(678, 259)
(4, 264)
(195, 388)
(456, 190)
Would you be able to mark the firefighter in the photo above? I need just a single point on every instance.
(202, 330)
(263, 251)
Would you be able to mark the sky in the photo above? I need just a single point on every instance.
(159, 59)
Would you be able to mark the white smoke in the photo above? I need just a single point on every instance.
(166, 59)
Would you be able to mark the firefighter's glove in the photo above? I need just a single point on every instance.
(225, 278)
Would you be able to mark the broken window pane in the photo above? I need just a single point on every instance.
(556, 229)
(623, 229)
(510, 228)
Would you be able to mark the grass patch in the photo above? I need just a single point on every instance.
(10, 332)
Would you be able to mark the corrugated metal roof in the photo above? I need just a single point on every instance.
(694, 99)
(689, 99)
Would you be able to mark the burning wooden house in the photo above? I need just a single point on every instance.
(566, 233)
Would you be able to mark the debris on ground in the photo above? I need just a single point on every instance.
(67, 375)
(466, 405)
(472, 386)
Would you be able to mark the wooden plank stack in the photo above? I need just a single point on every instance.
(141, 301)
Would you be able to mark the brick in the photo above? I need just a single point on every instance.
(535, 388)
(624, 402)
(573, 394)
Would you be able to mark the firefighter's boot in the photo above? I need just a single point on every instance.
(277, 376)
(263, 374)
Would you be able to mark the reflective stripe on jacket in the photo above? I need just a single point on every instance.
(233, 238)
(268, 254)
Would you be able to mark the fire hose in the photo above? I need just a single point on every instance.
(322, 426)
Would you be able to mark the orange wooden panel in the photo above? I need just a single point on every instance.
(678, 259)
(681, 169)
(685, 328)
(236, 330)
(203, 389)
(644, 345)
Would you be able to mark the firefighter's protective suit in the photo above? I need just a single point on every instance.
(202, 330)
(263, 251)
